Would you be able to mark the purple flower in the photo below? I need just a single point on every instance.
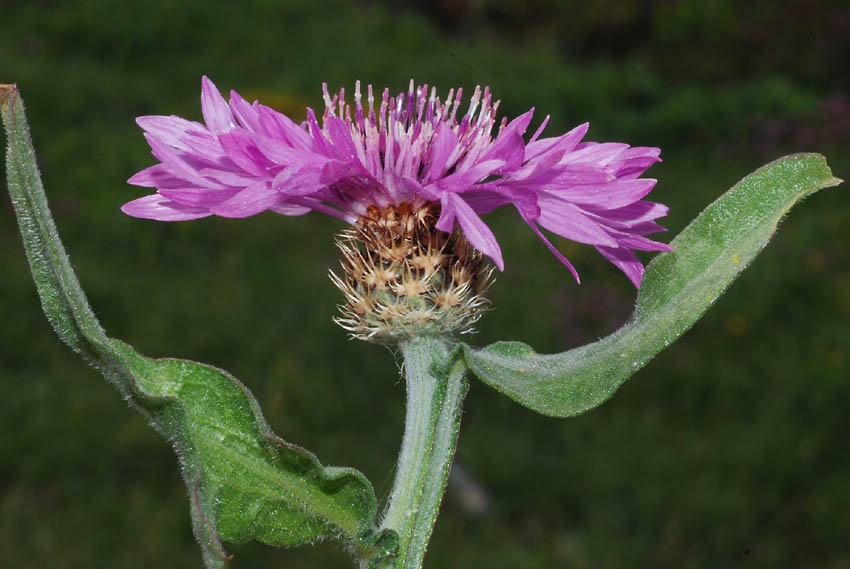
(413, 148)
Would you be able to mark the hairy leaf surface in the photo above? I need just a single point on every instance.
(244, 482)
(677, 288)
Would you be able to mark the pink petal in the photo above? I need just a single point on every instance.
(250, 201)
(569, 221)
(290, 209)
(161, 208)
(519, 124)
(596, 153)
(233, 177)
(563, 143)
(475, 230)
(317, 205)
(336, 170)
(463, 180)
(280, 126)
(198, 197)
(340, 135)
(216, 113)
(174, 160)
(412, 190)
(170, 130)
(247, 115)
(156, 176)
(509, 148)
(318, 139)
(239, 148)
(485, 202)
(444, 142)
(552, 248)
(645, 228)
(629, 241)
(608, 195)
(626, 261)
(298, 181)
(637, 212)
(574, 174)
(281, 152)
(204, 145)
(635, 161)
(509, 145)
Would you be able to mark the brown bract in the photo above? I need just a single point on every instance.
(403, 278)
(7, 92)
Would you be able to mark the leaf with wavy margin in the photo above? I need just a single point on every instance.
(677, 288)
(244, 482)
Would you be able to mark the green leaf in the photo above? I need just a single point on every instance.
(676, 290)
(244, 482)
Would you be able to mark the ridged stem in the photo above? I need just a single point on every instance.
(435, 390)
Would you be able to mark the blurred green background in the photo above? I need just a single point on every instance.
(731, 449)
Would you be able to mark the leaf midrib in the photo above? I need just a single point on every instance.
(312, 501)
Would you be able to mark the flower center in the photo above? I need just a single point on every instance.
(404, 278)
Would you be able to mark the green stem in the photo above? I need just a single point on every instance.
(435, 390)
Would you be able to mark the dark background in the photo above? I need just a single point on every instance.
(730, 449)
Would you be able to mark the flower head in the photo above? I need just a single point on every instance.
(415, 149)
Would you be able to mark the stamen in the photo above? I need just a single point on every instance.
(358, 105)
(382, 119)
(456, 104)
(420, 102)
(341, 100)
(430, 114)
(326, 96)
(410, 103)
(473, 102)
(371, 101)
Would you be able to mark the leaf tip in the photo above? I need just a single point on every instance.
(7, 93)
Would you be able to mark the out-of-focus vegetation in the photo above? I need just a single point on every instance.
(729, 450)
